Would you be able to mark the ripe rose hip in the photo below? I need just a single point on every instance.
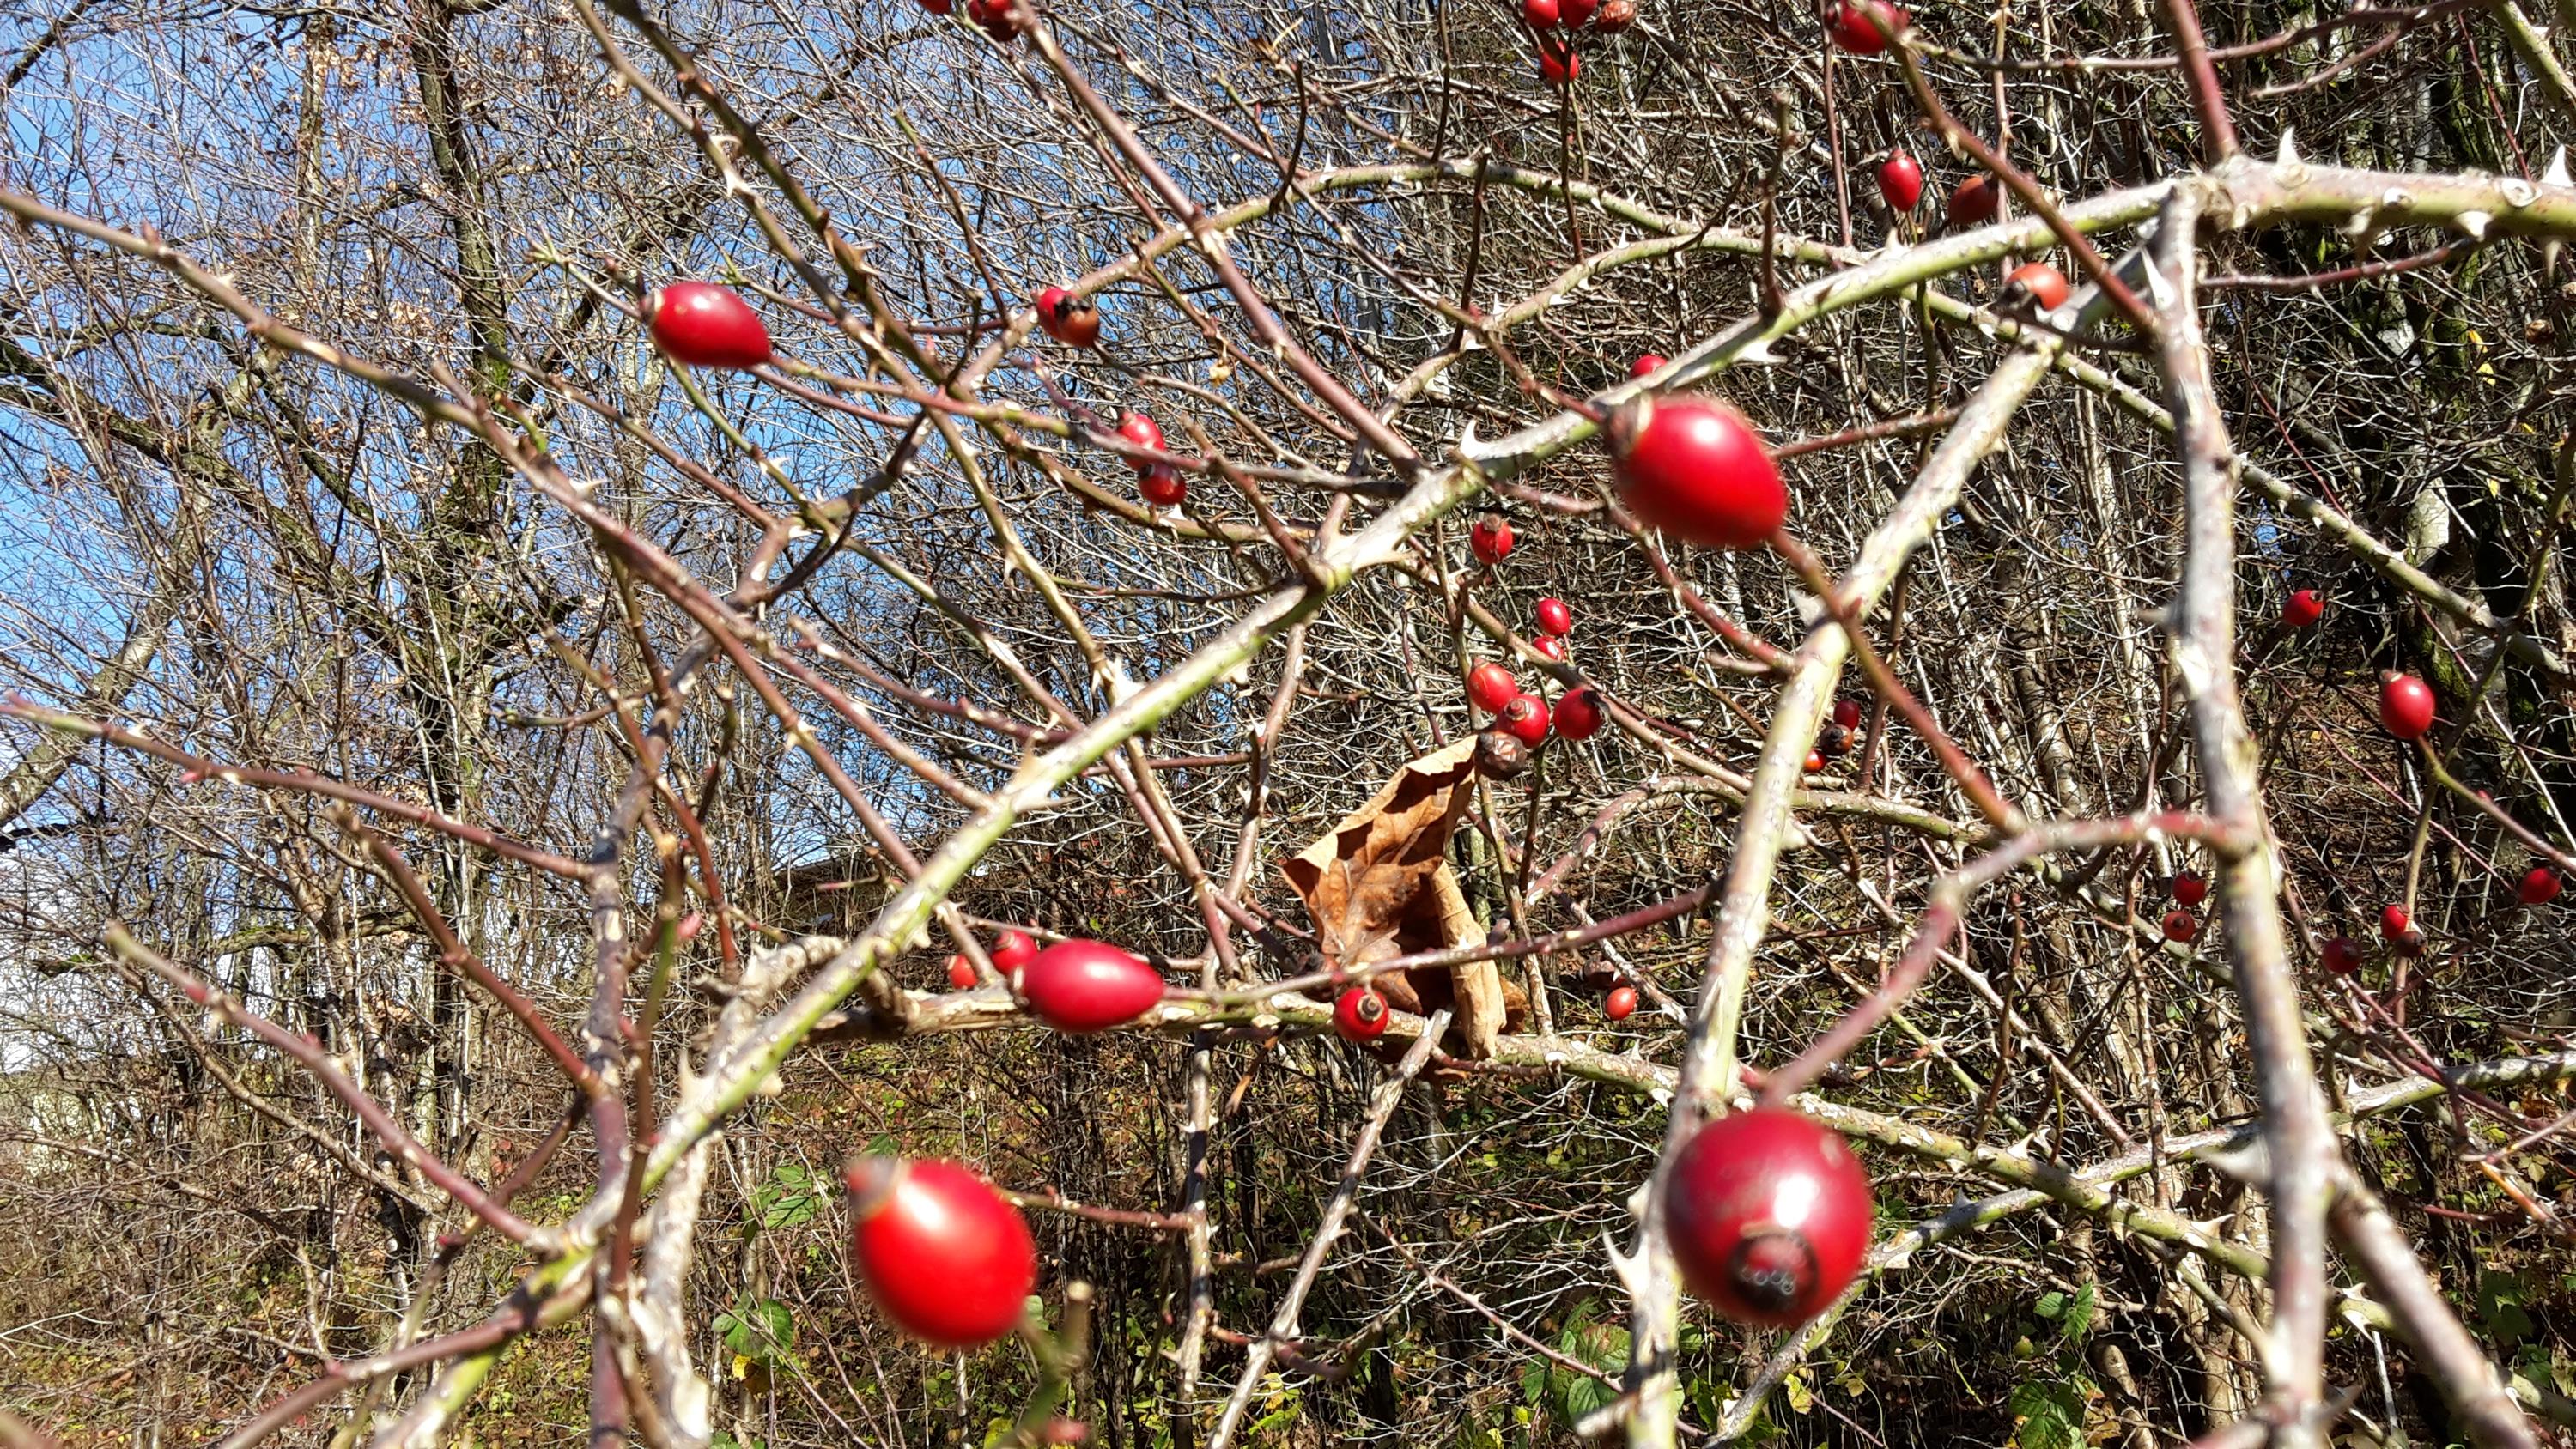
(2341, 956)
(1490, 687)
(961, 973)
(1162, 486)
(1646, 362)
(1693, 467)
(1614, 16)
(1579, 714)
(2394, 923)
(1900, 181)
(1769, 1216)
(1491, 539)
(946, 1258)
(2189, 888)
(1012, 950)
(935, 7)
(1080, 987)
(2179, 926)
(1554, 617)
(1065, 317)
(1620, 1004)
(1847, 713)
(1975, 202)
(2539, 886)
(707, 326)
(1548, 646)
(2302, 609)
(1539, 14)
(1815, 762)
(994, 18)
(1576, 13)
(1525, 719)
(1144, 432)
(2042, 283)
(1359, 1014)
(2405, 705)
(1850, 25)
(1558, 70)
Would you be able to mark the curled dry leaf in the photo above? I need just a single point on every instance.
(1379, 885)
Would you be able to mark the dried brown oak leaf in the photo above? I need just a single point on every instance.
(1378, 886)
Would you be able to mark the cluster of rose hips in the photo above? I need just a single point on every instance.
(1554, 23)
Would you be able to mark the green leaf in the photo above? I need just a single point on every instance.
(2048, 1414)
(761, 1332)
(2500, 1300)
(2051, 1304)
(2079, 1314)
(791, 1197)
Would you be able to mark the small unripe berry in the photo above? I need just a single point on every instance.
(1768, 1214)
(1359, 1014)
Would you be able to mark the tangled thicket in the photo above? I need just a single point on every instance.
(384, 612)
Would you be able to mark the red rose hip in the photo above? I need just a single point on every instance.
(1490, 539)
(1693, 467)
(2341, 956)
(2395, 924)
(1079, 987)
(1525, 719)
(707, 326)
(2539, 886)
(2042, 283)
(1847, 713)
(1558, 69)
(1646, 363)
(1144, 432)
(1579, 714)
(2302, 609)
(2189, 888)
(1554, 617)
(1864, 27)
(1162, 486)
(2405, 705)
(1975, 202)
(961, 973)
(1068, 318)
(946, 1258)
(1490, 687)
(1620, 1004)
(1769, 1216)
(1900, 181)
(1539, 14)
(1359, 1014)
(2180, 926)
(1012, 950)
(1549, 647)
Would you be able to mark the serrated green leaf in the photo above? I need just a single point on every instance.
(2051, 1304)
